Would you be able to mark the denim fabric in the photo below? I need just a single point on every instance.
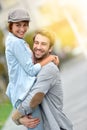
(21, 70)
(37, 113)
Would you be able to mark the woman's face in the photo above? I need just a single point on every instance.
(20, 28)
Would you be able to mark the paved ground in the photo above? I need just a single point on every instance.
(74, 80)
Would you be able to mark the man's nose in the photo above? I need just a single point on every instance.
(39, 46)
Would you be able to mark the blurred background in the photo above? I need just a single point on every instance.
(68, 19)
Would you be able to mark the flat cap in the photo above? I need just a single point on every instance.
(17, 15)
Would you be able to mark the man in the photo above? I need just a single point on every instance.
(48, 87)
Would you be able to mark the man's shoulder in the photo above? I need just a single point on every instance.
(51, 64)
(50, 67)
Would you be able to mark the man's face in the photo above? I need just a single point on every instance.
(41, 46)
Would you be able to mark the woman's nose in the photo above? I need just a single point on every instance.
(22, 29)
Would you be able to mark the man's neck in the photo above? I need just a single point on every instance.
(39, 60)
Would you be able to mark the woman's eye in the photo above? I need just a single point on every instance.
(17, 25)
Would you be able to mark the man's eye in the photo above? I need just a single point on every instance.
(44, 43)
(36, 42)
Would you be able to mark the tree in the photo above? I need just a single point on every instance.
(2, 47)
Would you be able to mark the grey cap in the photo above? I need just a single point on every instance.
(17, 15)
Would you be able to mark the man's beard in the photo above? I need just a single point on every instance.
(40, 58)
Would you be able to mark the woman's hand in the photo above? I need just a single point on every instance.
(29, 121)
(56, 60)
(50, 58)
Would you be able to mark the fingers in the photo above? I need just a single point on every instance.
(32, 123)
(29, 121)
(56, 60)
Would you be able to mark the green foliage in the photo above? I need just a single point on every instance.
(2, 69)
(29, 39)
(2, 47)
(5, 109)
(3, 73)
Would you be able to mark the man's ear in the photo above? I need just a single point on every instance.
(50, 50)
